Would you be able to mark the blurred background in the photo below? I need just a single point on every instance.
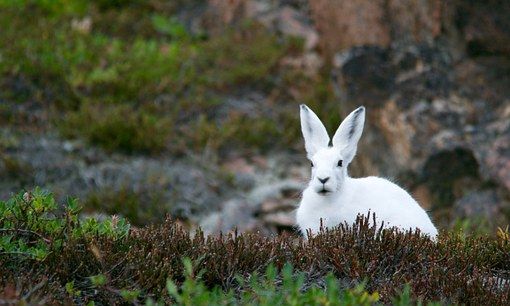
(190, 107)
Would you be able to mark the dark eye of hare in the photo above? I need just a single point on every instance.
(311, 164)
(339, 163)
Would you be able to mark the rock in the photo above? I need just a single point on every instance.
(235, 214)
(238, 165)
(291, 22)
(485, 26)
(275, 15)
(309, 63)
(225, 11)
(83, 25)
(428, 124)
(268, 207)
(281, 220)
(346, 24)
(423, 195)
(273, 205)
(274, 191)
(184, 188)
(486, 203)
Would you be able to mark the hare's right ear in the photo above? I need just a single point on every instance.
(314, 132)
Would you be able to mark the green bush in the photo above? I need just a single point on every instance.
(33, 226)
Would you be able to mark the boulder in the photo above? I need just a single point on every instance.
(432, 124)
(344, 24)
(485, 26)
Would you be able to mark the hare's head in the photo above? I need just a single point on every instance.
(330, 158)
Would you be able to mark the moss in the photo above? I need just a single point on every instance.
(119, 127)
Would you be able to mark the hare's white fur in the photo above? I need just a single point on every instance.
(339, 198)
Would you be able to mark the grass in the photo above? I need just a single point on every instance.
(50, 254)
(129, 77)
(127, 203)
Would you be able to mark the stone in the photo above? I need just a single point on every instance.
(428, 122)
(310, 63)
(486, 203)
(274, 205)
(281, 219)
(274, 191)
(344, 24)
(235, 214)
(485, 26)
(291, 22)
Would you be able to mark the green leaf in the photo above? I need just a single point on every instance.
(98, 280)
(130, 295)
(173, 291)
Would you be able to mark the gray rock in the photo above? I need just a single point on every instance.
(486, 203)
(235, 213)
(184, 187)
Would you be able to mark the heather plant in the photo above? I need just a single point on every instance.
(50, 254)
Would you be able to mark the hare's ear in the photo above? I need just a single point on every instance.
(314, 132)
(348, 134)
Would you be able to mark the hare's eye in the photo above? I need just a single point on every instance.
(339, 163)
(311, 164)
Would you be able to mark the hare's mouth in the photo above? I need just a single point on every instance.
(323, 191)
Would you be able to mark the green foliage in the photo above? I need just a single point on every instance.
(474, 226)
(170, 27)
(32, 225)
(70, 289)
(130, 295)
(266, 291)
(131, 78)
(54, 8)
(98, 280)
(119, 127)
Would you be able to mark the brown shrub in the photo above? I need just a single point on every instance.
(453, 270)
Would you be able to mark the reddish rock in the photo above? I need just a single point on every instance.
(344, 24)
(281, 219)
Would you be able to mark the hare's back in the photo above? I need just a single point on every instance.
(386, 199)
(390, 203)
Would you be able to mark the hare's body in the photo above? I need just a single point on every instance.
(336, 198)
(389, 202)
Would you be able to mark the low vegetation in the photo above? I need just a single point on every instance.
(51, 255)
(146, 83)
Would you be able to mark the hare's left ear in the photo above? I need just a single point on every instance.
(348, 134)
(315, 134)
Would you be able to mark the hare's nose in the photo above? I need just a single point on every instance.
(323, 180)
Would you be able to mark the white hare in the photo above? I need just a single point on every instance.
(335, 197)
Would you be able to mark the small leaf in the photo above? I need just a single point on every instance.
(98, 280)
(129, 295)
